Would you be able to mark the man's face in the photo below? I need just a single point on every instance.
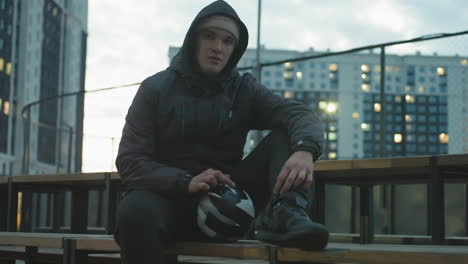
(215, 47)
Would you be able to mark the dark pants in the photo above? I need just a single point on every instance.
(148, 221)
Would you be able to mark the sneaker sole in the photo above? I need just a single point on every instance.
(306, 241)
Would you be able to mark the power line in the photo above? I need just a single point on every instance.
(354, 50)
(50, 98)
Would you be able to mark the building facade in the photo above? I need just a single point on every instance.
(426, 113)
(42, 55)
(425, 100)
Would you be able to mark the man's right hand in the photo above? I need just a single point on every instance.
(208, 178)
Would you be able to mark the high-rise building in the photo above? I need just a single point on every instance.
(425, 100)
(42, 55)
(426, 113)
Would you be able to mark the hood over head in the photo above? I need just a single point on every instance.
(185, 61)
(220, 22)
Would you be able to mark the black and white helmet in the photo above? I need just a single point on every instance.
(225, 213)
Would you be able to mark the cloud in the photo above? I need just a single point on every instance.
(438, 16)
(129, 41)
(335, 24)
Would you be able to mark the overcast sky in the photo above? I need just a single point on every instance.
(129, 41)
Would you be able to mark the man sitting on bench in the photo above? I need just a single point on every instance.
(185, 132)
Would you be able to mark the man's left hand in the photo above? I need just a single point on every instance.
(296, 173)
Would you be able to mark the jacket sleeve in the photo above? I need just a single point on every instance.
(270, 111)
(135, 160)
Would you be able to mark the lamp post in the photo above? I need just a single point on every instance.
(259, 69)
(258, 73)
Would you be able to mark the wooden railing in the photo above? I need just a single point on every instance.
(363, 173)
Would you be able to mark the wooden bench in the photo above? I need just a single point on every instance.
(397, 239)
(75, 249)
(26, 246)
(363, 173)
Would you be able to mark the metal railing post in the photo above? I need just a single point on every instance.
(26, 142)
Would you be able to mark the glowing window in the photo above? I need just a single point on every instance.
(331, 108)
(440, 71)
(364, 76)
(388, 68)
(464, 62)
(332, 136)
(323, 105)
(355, 115)
(2, 62)
(421, 89)
(365, 87)
(8, 68)
(408, 118)
(377, 107)
(288, 65)
(409, 98)
(397, 138)
(332, 155)
(331, 75)
(443, 138)
(288, 75)
(299, 75)
(6, 108)
(333, 67)
(332, 128)
(365, 127)
(365, 68)
(288, 94)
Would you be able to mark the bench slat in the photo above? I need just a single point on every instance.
(43, 240)
(453, 159)
(4, 180)
(228, 250)
(397, 239)
(334, 253)
(104, 244)
(31, 239)
(59, 178)
(382, 254)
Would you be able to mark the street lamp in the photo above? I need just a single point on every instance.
(331, 108)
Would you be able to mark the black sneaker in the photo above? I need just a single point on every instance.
(285, 223)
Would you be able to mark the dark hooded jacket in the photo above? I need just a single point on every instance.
(181, 122)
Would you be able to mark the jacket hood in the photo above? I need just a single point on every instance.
(185, 60)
